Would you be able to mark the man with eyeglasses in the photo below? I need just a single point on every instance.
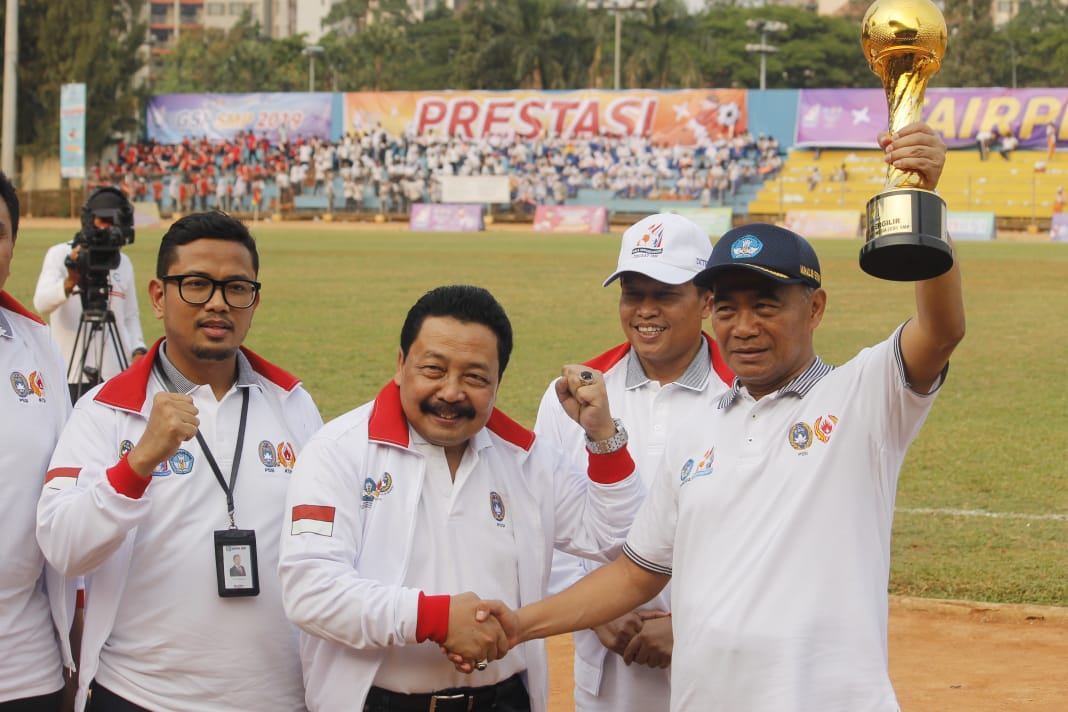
(162, 476)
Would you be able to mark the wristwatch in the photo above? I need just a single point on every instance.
(603, 447)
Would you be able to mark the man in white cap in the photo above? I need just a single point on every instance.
(660, 382)
(774, 523)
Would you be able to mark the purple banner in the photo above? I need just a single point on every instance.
(445, 217)
(1058, 227)
(852, 118)
(172, 118)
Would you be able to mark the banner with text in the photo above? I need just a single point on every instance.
(971, 226)
(72, 131)
(854, 117)
(443, 217)
(171, 118)
(570, 218)
(824, 223)
(671, 117)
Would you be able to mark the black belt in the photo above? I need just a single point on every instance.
(459, 699)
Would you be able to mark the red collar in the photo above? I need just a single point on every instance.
(11, 304)
(128, 389)
(614, 355)
(719, 365)
(388, 424)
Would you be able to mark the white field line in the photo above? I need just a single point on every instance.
(980, 513)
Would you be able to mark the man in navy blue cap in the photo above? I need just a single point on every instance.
(774, 523)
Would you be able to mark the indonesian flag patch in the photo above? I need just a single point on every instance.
(313, 519)
(60, 478)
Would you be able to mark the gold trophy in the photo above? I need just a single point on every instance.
(904, 42)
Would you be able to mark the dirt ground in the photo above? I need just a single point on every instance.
(945, 656)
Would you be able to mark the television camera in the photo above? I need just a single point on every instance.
(107, 225)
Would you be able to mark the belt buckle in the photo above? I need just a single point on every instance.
(435, 699)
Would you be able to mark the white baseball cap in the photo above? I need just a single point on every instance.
(666, 247)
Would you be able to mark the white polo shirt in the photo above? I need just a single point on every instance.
(776, 528)
(462, 549)
(33, 407)
(652, 414)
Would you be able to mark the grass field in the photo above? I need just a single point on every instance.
(983, 499)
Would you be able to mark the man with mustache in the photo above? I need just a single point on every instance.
(402, 506)
(163, 474)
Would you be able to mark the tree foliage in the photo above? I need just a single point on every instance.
(232, 61)
(92, 41)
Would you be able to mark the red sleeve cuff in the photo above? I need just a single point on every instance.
(611, 468)
(433, 618)
(127, 482)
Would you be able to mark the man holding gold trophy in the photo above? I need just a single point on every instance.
(773, 519)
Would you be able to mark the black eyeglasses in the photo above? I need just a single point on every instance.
(197, 289)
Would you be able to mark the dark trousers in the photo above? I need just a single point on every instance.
(101, 699)
(507, 696)
(42, 703)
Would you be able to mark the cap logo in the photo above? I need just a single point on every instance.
(746, 247)
(650, 243)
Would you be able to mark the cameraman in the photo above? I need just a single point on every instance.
(58, 294)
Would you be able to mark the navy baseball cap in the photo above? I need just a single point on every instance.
(775, 252)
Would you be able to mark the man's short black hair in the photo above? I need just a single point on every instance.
(466, 304)
(11, 199)
(214, 225)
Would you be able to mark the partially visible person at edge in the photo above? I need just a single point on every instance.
(36, 606)
(402, 505)
(661, 382)
(194, 441)
(775, 524)
(58, 296)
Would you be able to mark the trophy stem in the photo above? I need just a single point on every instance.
(906, 85)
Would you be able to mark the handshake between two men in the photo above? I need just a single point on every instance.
(481, 631)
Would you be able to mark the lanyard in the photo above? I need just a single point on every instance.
(228, 489)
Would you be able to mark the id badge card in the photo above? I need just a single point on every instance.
(236, 565)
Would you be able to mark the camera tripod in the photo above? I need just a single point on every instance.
(93, 323)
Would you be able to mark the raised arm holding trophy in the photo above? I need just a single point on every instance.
(904, 42)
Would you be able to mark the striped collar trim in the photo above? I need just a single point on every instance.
(245, 375)
(800, 386)
(694, 377)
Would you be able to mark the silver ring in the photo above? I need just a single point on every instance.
(481, 665)
(586, 377)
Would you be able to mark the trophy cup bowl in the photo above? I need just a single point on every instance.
(904, 42)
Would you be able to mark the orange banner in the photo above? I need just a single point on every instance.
(670, 117)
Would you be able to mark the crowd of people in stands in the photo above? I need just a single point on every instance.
(252, 175)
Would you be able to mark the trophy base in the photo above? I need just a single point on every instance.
(906, 236)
